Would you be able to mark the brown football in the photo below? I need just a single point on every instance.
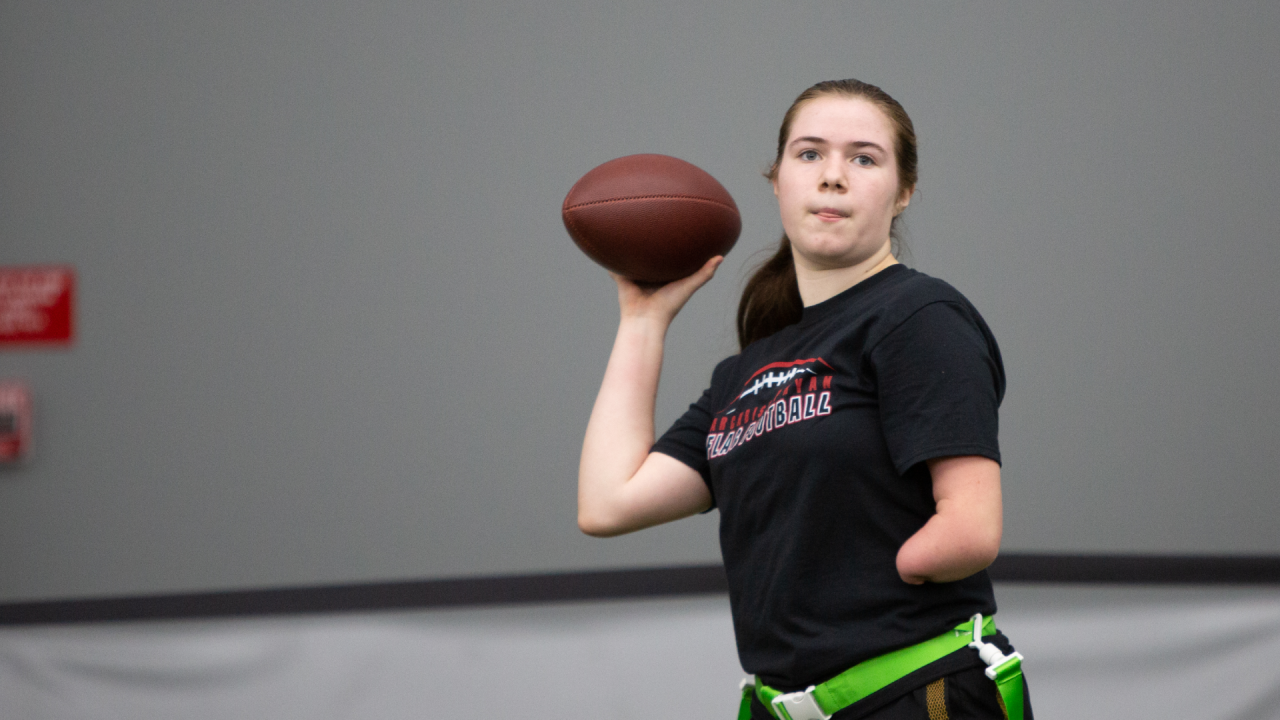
(651, 218)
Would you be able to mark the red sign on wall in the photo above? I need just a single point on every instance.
(36, 305)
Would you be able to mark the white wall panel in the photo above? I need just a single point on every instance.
(1098, 653)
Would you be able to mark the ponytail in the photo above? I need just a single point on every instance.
(771, 298)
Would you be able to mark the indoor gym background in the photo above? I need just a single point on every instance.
(331, 332)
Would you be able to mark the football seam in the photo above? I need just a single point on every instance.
(652, 197)
(573, 226)
(578, 237)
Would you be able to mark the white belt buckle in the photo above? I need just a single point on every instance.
(799, 706)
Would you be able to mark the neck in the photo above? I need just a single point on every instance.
(818, 284)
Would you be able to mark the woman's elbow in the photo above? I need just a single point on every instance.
(591, 526)
(597, 524)
(950, 557)
(982, 547)
(985, 554)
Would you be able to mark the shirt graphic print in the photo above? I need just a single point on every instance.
(776, 395)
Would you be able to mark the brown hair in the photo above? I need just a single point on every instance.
(771, 299)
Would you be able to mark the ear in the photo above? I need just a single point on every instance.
(774, 184)
(904, 199)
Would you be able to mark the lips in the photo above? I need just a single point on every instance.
(828, 213)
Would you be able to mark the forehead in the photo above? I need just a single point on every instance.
(840, 119)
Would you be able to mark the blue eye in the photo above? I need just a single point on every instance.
(864, 160)
(809, 155)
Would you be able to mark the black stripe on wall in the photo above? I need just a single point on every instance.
(604, 585)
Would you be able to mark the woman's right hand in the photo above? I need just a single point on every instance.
(661, 302)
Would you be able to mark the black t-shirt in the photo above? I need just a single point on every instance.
(813, 441)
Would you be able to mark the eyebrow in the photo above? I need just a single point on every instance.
(822, 141)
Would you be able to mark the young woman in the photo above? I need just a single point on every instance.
(850, 446)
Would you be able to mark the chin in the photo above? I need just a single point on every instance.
(833, 259)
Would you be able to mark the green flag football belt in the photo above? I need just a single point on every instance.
(820, 702)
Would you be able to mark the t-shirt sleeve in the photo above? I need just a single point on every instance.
(686, 439)
(940, 380)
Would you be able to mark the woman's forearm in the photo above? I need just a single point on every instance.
(621, 487)
(620, 430)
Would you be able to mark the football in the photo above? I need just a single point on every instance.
(651, 218)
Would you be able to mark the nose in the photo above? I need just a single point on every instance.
(833, 175)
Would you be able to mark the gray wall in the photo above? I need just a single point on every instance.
(331, 328)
